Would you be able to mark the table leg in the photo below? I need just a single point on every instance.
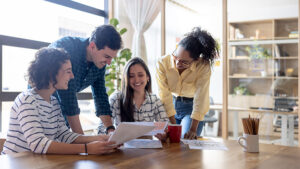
(235, 125)
(291, 130)
(284, 129)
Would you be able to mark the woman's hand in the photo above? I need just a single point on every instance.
(172, 120)
(161, 137)
(102, 137)
(101, 147)
(191, 135)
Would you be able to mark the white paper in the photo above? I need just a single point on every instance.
(143, 143)
(159, 127)
(204, 145)
(126, 131)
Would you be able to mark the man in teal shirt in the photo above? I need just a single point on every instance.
(89, 57)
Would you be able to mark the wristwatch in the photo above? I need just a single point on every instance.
(108, 128)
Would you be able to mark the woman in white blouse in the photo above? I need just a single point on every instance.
(36, 122)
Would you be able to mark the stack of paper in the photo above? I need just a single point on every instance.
(159, 127)
(143, 143)
(204, 145)
(127, 131)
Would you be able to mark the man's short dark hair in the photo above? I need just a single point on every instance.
(106, 35)
(44, 68)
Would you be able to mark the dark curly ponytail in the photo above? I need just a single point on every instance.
(199, 43)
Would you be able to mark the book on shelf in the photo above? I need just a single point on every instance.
(242, 57)
(276, 51)
(231, 33)
(233, 52)
(293, 34)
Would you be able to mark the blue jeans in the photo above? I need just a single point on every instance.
(184, 109)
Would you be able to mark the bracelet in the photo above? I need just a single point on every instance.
(85, 147)
(108, 128)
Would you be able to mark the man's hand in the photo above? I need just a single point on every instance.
(75, 124)
(106, 120)
(110, 131)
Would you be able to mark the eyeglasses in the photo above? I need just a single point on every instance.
(183, 62)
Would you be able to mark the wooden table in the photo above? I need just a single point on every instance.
(287, 121)
(173, 156)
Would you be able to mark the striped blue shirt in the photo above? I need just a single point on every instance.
(34, 124)
(85, 74)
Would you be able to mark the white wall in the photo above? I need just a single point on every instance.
(241, 10)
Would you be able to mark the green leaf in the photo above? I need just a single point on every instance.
(114, 22)
(122, 31)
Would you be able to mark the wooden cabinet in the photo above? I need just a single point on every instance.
(262, 62)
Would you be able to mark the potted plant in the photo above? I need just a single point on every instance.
(241, 90)
(258, 52)
(114, 70)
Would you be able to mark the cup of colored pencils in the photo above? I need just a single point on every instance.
(250, 139)
(250, 125)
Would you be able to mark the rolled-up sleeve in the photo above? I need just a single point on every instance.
(164, 91)
(201, 97)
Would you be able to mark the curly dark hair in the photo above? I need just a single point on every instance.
(106, 35)
(199, 43)
(126, 101)
(44, 68)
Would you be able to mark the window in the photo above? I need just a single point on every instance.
(36, 20)
(14, 67)
(29, 25)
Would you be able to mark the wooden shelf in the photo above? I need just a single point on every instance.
(262, 42)
(287, 97)
(250, 77)
(280, 38)
(236, 58)
(287, 58)
(285, 77)
(275, 58)
(248, 39)
(261, 39)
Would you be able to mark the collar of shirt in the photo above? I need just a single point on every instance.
(147, 100)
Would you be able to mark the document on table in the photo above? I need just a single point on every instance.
(143, 143)
(204, 145)
(159, 127)
(127, 131)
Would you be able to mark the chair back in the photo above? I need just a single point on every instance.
(209, 116)
(2, 140)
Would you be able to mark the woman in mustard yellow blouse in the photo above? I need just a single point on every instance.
(183, 79)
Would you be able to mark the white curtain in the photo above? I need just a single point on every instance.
(141, 14)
